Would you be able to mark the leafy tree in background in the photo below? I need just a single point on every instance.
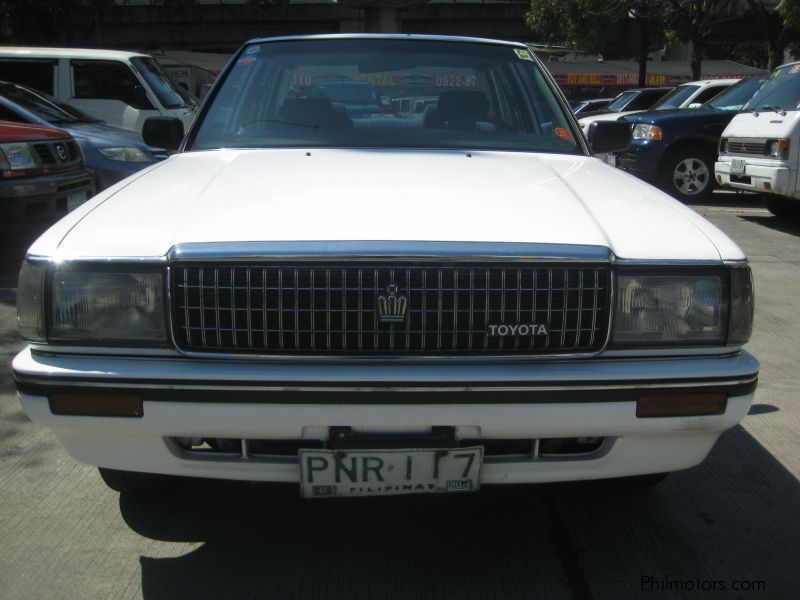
(616, 29)
(692, 21)
(781, 26)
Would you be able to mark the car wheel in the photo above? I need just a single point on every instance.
(779, 206)
(689, 175)
(135, 484)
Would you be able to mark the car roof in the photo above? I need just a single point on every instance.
(47, 52)
(389, 36)
(705, 82)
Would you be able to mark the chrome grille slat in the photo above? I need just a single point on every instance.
(321, 308)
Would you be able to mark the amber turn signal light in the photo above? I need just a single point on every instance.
(681, 405)
(96, 405)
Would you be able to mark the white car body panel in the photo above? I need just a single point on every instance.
(251, 195)
(766, 175)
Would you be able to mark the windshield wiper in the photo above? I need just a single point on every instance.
(775, 109)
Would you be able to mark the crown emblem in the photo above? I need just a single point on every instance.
(392, 305)
(61, 151)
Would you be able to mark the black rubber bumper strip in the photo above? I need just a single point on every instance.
(298, 393)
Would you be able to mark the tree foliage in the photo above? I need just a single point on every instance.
(780, 24)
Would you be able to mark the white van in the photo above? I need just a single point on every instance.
(759, 148)
(121, 88)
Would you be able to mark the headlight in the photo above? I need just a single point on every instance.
(93, 306)
(778, 149)
(711, 309)
(126, 154)
(30, 302)
(18, 156)
(647, 132)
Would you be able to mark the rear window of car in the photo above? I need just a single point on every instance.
(386, 93)
(675, 98)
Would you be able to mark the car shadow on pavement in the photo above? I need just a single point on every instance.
(733, 517)
(784, 225)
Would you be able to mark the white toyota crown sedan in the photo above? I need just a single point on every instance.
(361, 299)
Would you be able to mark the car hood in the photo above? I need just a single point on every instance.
(386, 195)
(764, 124)
(696, 117)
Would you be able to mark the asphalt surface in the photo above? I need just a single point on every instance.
(729, 528)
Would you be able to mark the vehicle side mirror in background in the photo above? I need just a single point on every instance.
(163, 132)
(608, 136)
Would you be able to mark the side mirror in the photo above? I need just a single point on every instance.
(608, 136)
(163, 132)
(695, 105)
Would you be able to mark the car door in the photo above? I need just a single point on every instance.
(109, 90)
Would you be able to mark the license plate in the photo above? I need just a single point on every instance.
(338, 473)
(737, 166)
(74, 200)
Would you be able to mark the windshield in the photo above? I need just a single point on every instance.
(780, 91)
(312, 92)
(675, 98)
(168, 94)
(621, 101)
(734, 97)
(36, 104)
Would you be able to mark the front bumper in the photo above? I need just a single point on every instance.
(757, 178)
(239, 400)
(45, 198)
(642, 158)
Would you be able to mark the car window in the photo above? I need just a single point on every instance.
(736, 96)
(36, 73)
(344, 93)
(781, 90)
(708, 93)
(6, 114)
(108, 80)
(169, 94)
(621, 101)
(675, 98)
(30, 101)
(644, 101)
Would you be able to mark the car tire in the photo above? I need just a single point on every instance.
(785, 208)
(688, 175)
(135, 484)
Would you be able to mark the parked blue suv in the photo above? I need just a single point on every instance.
(676, 149)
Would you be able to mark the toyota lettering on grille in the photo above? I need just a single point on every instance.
(526, 329)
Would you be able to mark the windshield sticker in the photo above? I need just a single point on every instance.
(563, 134)
(794, 69)
(246, 60)
(523, 54)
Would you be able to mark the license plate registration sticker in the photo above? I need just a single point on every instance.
(75, 200)
(338, 473)
(737, 166)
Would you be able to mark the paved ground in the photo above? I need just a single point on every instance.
(735, 520)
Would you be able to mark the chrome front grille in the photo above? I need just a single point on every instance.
(748, 147)
(334, 309)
